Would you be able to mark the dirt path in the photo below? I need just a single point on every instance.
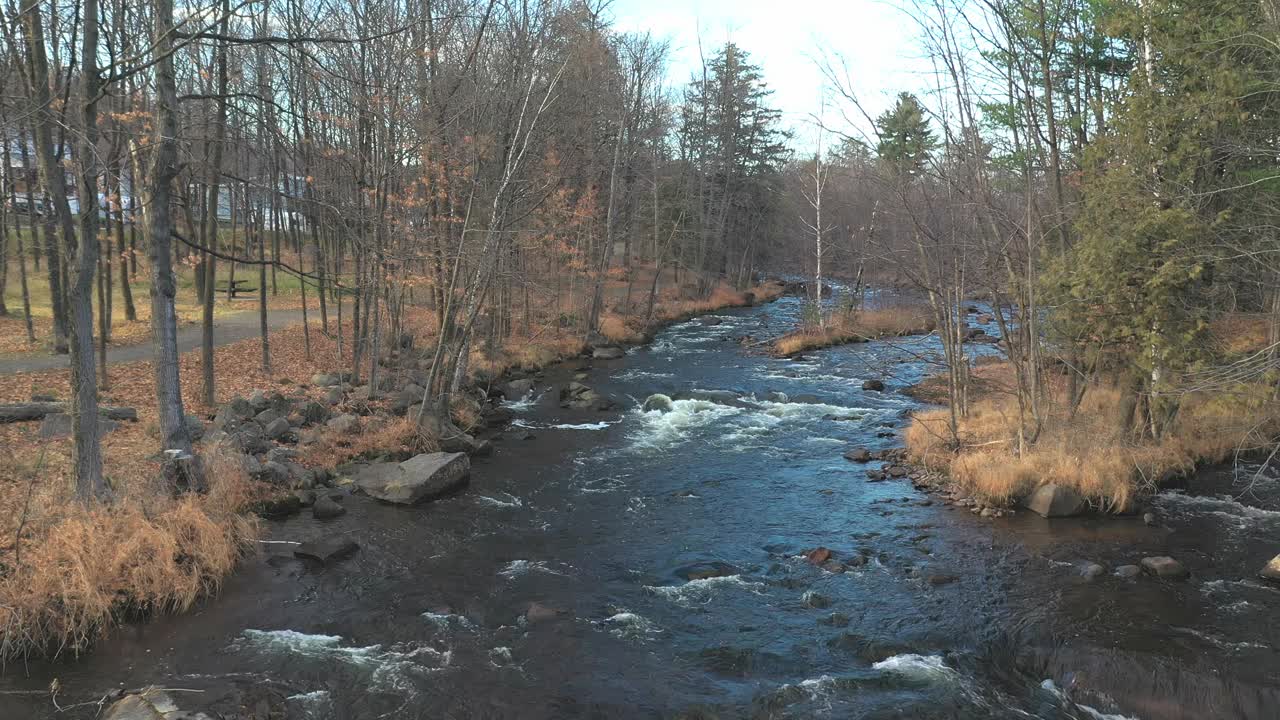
(226, 330)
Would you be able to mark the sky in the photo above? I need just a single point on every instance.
(788, 39)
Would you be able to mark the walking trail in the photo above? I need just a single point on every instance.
(226, 330)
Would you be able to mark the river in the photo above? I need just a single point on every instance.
(601, 518)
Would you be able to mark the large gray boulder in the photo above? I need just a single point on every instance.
(345, 424)
(1052, 500)
(516, 389)
(424, 477)
(325, 379)
(608, 352)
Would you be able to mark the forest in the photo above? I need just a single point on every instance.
(499, 184)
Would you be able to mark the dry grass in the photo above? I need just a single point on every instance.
(841, 328)
(1089, 452)
(1240, 333)
(379, 435)
(71, 574)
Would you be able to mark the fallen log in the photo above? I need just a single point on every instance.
(25, 412)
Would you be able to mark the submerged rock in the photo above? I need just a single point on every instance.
(538, 612)
(819, 555)
(423, 477)
(1052, 500)
(1128, 571)
(876, 385)
(658, 402)
(1164, 566)
(326, 550)
(706, 570)
(326, 508)
(1092, 571)
(815, 600)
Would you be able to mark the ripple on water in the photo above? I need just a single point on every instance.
(1223, 506)
(922, 667)
(517, 568)
(703, 591)
(630, 626)
(510, 501)
(385, 670)
(1093, 713)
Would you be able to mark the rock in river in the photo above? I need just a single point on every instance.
(858, 455)
(608, 352)
(876, 385)
(423, 477)
(1272, 570)
(326, 507)
(1128, 571)
(1052, 500)
(326, 549)
(1164, 566)
(818, 555)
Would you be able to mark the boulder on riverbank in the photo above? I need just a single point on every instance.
(1052, 500)
(608, 352)
(424, 477)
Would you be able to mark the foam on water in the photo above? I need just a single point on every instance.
(511, 502)
(445, 621)
(315, 704)
(1222, 505)
(603, 424)
(629, 625)
(527, 402)
(925, 667)
(636, 374)
(516, 568)
(658, 428)
(807, 411)
(500, 656)
(391, 670)
(701, 592)
(1093, 713)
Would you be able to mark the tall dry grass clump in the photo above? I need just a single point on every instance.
(858, 326)
(1088, 452)
(75, 573)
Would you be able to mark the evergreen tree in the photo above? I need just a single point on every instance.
(905, 137)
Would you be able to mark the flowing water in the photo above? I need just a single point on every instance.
(605, 517)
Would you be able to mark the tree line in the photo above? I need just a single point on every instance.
(1103, 172)
(495, 161)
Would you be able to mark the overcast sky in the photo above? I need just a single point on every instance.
(786, 38)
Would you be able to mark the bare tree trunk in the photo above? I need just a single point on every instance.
(87, 462)
(174, 437)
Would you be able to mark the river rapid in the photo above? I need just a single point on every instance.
(603, 518)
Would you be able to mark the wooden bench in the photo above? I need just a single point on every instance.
(237, 287)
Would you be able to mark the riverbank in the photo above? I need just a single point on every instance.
(864, 325)
(170, 552)
(1088, 453)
